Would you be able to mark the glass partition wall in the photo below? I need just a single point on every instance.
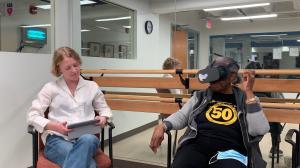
(107, 30)
(276, 50)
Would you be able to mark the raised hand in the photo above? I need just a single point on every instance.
(248, 83)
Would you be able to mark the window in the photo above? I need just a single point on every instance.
(107, 30)
(25, 26)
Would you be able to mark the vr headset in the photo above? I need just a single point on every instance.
(214, 73)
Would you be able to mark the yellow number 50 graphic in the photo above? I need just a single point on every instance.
(221, 113)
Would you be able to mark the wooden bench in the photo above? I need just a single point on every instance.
(276, 110)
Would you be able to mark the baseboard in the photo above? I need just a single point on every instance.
(131, 132)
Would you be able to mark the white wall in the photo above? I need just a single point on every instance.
(148, 57)
(22, 77)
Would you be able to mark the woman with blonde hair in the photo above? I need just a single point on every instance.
(69, 99)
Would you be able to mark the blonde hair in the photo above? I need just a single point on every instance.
(171, 63)
(59, 55)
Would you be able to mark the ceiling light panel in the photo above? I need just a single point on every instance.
(237, 7)
(39, 25)
(44, 6)
(113, 19)
(249, 17)
(85, 30)
(105, 28)
(86, 2)
(82, 2)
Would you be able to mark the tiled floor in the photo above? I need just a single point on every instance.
(136, 148)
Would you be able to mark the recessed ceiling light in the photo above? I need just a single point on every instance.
(112, 19)
(105, 28)
(268, 35)
(128, 27)
(237, 7)
(249, 17)
(298, 40)
(86, 2)
(83, 2)
(39, 25)
(44, 6)
(85, 30)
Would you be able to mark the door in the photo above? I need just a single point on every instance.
(180, 46)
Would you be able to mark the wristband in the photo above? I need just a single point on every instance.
(167, 126)
(252, 100)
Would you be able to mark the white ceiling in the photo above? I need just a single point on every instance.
(284, 8)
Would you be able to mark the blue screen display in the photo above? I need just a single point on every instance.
(36, 34)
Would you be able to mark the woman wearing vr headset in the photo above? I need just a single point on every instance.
(224, 123)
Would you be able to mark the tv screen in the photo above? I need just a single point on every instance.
(34, 36)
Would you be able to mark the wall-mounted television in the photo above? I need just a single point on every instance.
(34, 36)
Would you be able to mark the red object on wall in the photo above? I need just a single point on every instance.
(208, 24)
(32, 9)
(9, 8)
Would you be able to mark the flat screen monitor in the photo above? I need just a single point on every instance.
(34, 36)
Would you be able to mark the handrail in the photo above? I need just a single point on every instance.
(188, 71)
(280, 105)
(148, 94)
(146, 98)
(172, 100)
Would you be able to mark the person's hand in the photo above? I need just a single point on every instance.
(248, 80)
(157, 137)
(101, 120)
(60, 127)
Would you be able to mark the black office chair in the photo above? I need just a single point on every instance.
(40, 161)
(163, 116)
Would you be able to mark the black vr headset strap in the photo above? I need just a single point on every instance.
(186, 81)
(223, 72)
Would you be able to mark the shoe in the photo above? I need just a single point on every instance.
(275, 153)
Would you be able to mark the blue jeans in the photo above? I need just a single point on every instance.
(72, 154)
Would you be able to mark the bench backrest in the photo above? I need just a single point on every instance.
(276, 110)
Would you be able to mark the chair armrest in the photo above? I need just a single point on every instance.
(31, 130)
(169, 148)
(110, 143)
(35, 147)
(111, 125)
(256, 139)
(289, 136)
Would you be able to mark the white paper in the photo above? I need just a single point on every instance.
(294, 52)
(277, 53)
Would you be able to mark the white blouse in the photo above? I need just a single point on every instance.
(173, 91)
(63, 106)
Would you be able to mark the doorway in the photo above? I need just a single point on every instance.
(185, 46)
